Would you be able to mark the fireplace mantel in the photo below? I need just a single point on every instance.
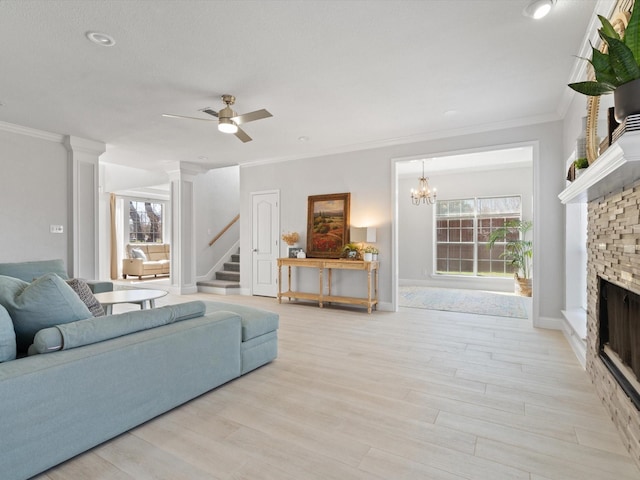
(616, 168)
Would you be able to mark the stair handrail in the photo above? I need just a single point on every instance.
(223, 231)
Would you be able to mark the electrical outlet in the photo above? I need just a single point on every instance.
(56, 229)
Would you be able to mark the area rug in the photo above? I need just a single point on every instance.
(465, 301)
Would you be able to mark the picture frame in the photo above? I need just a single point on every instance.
(293, 252)
(327, 224)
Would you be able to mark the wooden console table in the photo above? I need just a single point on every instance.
(330, 264)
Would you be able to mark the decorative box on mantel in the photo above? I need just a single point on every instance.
(617, 167)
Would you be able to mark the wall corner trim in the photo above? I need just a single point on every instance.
(78, 144)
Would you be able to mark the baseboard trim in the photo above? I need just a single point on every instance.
(577, 344)
(548, 323)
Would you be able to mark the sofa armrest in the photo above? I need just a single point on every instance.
(132, 266)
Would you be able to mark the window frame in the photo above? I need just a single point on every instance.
(476, 216)
(127, 219)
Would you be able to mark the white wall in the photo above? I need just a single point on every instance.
(415, 223)
(118, 178)
(367, 175)
(217, 202)
(34, 194)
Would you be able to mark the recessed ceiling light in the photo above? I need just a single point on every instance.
(101, 39)
(202, 157)
(538, 8)
(303, 138)
(450, 113)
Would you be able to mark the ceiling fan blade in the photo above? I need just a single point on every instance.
(210, 112)
(251, 116)
(170, 115)
(242, 135)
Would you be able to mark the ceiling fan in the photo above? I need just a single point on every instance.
(228, 120)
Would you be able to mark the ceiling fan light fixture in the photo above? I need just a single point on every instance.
(226, 125)
(539, 8)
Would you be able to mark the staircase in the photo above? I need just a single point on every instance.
(226, 281)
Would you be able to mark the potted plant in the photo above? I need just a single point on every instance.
(368, 253)
(518, 251)
(351, 251)
(617, 70)
(580, 165)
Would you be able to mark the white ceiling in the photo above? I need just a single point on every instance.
(348, 75)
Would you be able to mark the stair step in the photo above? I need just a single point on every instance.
(218, 284)
(235, 257)
(232, 266)
(230, 276)
(219, 287)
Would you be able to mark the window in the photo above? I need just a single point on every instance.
(463, 228)
(145, 222)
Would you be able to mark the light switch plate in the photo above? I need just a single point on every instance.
(56, 229)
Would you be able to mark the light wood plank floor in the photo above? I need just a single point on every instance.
(411, 395)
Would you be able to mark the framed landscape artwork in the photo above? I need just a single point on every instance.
(327, 225)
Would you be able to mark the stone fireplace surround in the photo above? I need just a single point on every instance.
(613, 249)
(611, 189)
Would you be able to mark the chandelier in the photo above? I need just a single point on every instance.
(423, 194)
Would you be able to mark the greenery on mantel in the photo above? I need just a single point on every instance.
(620, 64)
(581, 163)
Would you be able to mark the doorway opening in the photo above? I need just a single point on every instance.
(444, 245)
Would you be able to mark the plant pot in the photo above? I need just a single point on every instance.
(523, 286)
(368, 257)
(580, 171)
(375, 257)
(626, 100)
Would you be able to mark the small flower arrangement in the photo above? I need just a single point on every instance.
(370, 249)
(290, 238)
(351, 251)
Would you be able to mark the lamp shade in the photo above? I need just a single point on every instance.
(363, 234)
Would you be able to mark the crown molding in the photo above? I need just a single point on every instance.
(31, 132)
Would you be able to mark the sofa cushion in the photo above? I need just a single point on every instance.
(94, 330)
(27, 271)
(138, 253)
(86, 295)
(7, 336)
(157, 252)
(45, 302)
(255, 322)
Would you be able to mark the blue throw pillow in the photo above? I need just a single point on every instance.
(45, 302)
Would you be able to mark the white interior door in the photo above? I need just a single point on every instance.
(265, 243)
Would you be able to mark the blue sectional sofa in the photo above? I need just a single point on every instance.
(89, 380)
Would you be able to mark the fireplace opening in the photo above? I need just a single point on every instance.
(619, 336)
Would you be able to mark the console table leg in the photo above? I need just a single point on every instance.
(321, 287)
(280, 283)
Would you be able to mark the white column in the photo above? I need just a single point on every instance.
(183, 249)
(83, 157)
